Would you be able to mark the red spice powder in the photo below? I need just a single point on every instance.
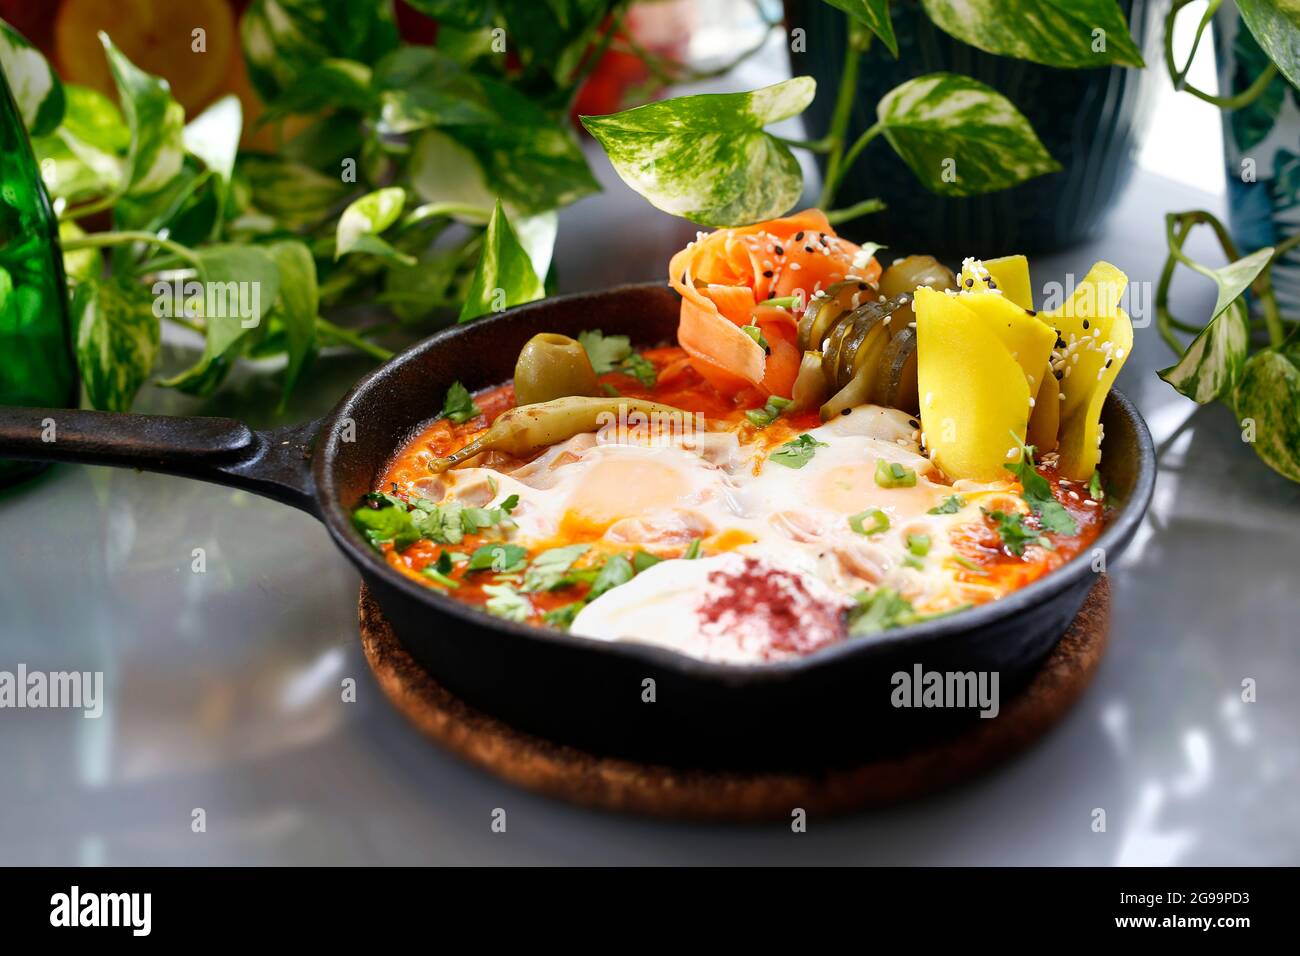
(770, 610)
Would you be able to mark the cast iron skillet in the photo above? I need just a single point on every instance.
(830, 708)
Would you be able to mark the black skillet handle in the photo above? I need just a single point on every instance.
(275, 463)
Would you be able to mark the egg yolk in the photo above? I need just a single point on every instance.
(849, 489)
(617, 488)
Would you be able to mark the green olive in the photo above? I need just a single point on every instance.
(553, 366)
(907, 275)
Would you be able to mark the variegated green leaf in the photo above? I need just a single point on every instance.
(293, 193)
(213, 136)
(706, 157)
(1275, 24)
(504, 276)
(35, 86)
(84, 158)
(155, 120)
(365, 218)
(297, 306)
(1063, 33)
(240, 284)
(1212, 364)
(874, 14)
(79, 265)
(117, 340)
(285, 39)
(961, 137)
(1267, 401)
(1234, 278)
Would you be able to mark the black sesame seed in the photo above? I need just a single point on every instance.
(862, 286)
(1108, 361)
(1085, 323)
(798, 237)
(809, 249)
(1030, 312)
(846, 411)
(992, 284)
(780, 251)
(1059, 375)
(914, 423)
(1060, 342)
(767, 274)
(970, 283)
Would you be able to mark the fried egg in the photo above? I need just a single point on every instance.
(803, 524)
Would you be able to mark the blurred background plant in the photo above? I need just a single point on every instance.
(336, 152)
(1247, 353)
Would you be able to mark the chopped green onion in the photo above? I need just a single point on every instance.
(434, 574)
(762, 417)
(890, 474)
(970, 565)
(918, 544)
(755, 333)
(880, 522)
(692, 550)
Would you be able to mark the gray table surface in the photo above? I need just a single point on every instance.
(224, 687)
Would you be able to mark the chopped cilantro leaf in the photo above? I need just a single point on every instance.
(459, 405)
(641, 369)
(547, 571)
(1037, 493)
(605, 351)
(1015, 532)
(644, 559)
(504, 601)
(613, 353)
(797, 452)
(949, 506)
(880, 610)
(1095, 490)
(384, 518)
(615, 571)
(562, 617)
(501, 558)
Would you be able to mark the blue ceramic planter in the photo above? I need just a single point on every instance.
(1090, 120)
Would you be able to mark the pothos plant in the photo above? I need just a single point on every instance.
(427, 179)
(1247, 354)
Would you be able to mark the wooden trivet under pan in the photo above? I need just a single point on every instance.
(622, 785)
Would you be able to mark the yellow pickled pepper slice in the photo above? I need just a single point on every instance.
(974, 395)
(1009, 273)
(1098, 339)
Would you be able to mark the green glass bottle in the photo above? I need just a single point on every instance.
(37, 366)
